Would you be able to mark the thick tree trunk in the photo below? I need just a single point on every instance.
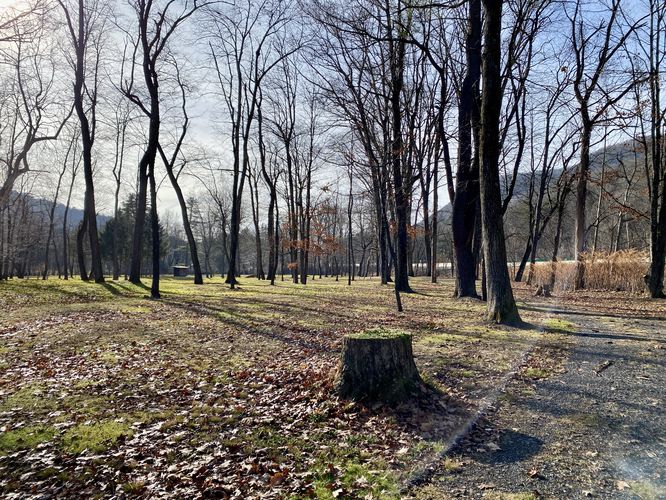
(400, 184)
(377, 366)
(233, 247)
(501, 304)
(467, 180)
(655, 278)
(91, 215)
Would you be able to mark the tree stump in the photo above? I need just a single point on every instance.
(377, 365)
(542, 291)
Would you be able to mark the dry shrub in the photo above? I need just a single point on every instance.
(618, 271)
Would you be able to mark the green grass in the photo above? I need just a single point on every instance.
(536, 373)
(110, 360)
(95, 437)
(25, 438)
(29, 398)
(353, 476)
(558, 325)
(380, 333)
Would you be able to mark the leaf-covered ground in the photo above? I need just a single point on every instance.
(222, 393)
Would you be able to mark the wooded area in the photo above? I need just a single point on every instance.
(504, 157)
(320, 139)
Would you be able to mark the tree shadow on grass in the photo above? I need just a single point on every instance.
(111, 288)
(243, 322)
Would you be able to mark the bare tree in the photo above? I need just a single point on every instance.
(85, 23)
(54, 203)
(243, 53)
(30, 109)
(595, 47)
(501, 304)
(173, 174)
(652, 133)
(155, 28)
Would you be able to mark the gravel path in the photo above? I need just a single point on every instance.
(596, 428)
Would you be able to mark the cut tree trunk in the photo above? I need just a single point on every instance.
(377, 366)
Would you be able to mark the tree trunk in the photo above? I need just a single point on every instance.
(556, 246)
(400, 184)
(51, 224)
(466, 198)
(254, 198)
(191, 242)
(581, 199)
(501, 304)
(435, 215)
(524, 259)
(377, 366)
(80, 235)
(155, 233)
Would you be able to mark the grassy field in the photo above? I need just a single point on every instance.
(228, 393)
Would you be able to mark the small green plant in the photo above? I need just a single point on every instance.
(536, 373)
(134, 487)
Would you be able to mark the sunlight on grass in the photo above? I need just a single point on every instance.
(94, 437)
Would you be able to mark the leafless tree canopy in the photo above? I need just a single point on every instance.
(486, 139)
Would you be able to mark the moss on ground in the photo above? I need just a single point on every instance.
(94, 437)
(30, 398)
(380, 333)
(536, 373)
(559, 325)
(25, 438)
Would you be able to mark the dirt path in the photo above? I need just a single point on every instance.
(595, 429)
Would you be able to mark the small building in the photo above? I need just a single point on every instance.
(180, 271)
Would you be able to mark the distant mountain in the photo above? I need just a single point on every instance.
(74, 216)
(626, 152)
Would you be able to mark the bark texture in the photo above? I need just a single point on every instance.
(377, 366)
(501, 304)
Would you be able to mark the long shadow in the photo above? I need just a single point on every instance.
(556, 408)
(111, 288)
(245, 325)
(425, 406)
(128, 288)
(514, 447)
(577, 312)
(614, 356)
(609, 336)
